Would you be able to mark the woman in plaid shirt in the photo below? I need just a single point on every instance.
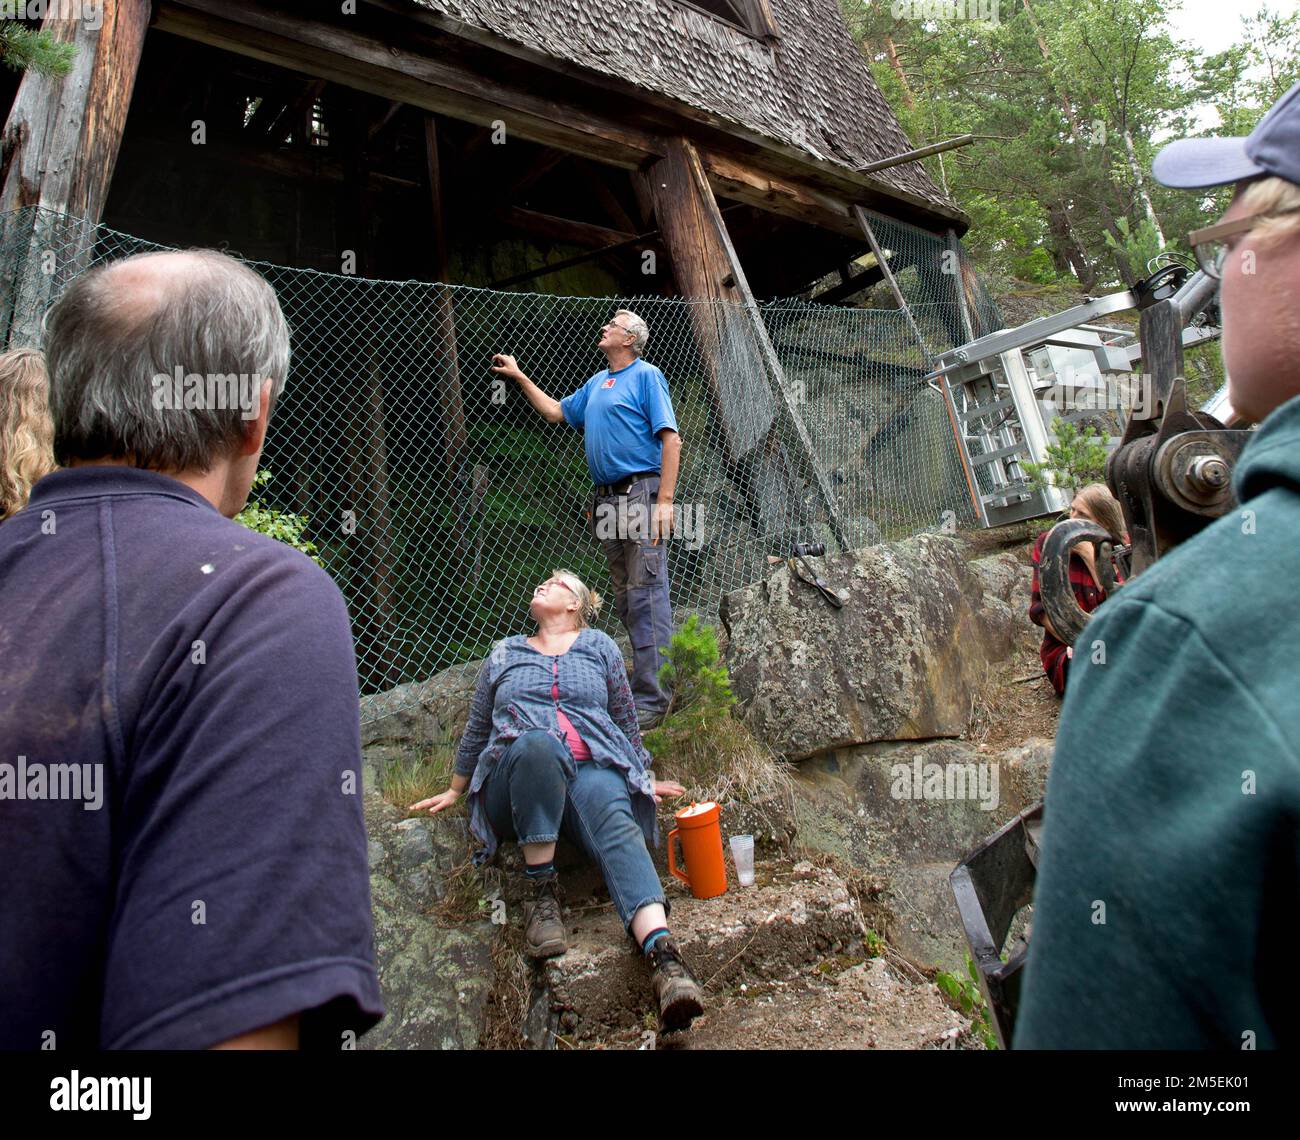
(1096, 504)
(553, 746)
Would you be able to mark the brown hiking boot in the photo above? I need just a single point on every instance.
(675, 987)
(544, 937)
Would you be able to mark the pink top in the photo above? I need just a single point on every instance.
(576, 744)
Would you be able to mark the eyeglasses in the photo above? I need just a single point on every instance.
(1211, 245)
(616, 325)
(556, 582)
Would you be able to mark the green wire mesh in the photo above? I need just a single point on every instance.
(438, 498)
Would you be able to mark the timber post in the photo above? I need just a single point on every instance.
(57, 154)
(707, 270)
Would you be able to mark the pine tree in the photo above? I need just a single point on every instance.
(23, 48)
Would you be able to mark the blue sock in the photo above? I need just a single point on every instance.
(648, 943)
(540, 870)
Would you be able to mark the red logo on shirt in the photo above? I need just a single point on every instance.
(608, 383)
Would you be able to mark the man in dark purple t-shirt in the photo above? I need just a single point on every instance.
(182, 850)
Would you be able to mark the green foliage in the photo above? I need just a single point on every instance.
(1065, 98)
(701, 687)
(23, 49)
(1137, 245)
(279, 525)
(964, 995)
(1076, 458)
(699, 742)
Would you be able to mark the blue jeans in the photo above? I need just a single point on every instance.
(530, 798)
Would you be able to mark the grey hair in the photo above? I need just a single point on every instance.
(108, 340)
(637, 328)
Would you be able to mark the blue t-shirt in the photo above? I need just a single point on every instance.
(621, 415)
(204, 872)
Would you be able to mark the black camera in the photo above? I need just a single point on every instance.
(808, 550)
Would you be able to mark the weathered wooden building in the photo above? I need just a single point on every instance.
(715, 150)
(453, 139)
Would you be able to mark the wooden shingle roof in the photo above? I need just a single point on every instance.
(809, 88)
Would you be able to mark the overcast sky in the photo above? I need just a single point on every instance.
(1214, 24)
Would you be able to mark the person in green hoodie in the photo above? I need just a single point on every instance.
(1169, 880)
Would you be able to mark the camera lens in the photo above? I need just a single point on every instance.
(810, 549)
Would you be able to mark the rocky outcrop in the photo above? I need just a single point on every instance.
(435, 977)
(907, 813)
(421, 711)
(903, 659)
(782, 965)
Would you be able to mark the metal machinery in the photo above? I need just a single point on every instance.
(1004, 390)
(1171, 471)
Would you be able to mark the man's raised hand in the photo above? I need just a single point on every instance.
(507, 366)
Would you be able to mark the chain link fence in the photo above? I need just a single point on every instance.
(438, 498)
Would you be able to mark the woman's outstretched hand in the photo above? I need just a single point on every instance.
(438, 802)
(667, 788)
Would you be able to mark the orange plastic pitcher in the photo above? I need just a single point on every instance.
(706, 873)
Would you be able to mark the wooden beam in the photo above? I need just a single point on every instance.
(61, 140)
(545, 162)
(651, 237)
(647, 238)
(383, 67)
(598, 180)
(745, 372)
(58, 151)
(861, 215)
(736, 179)
(377, 127)
(562, 229)
(364, 440)
(315, 164)
(451, 402)
(849, 286)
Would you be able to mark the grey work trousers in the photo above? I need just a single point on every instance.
(638, 570)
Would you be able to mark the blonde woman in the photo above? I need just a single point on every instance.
(552, 745)
(26, 429)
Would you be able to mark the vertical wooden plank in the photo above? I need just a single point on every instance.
(364, 436)
(451, 402)
(62, 137)
(57, 152)
(707, 268)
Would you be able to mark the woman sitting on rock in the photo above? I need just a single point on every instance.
(1096, 504)
(552, 745)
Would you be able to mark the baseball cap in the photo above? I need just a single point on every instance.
(1273, 147)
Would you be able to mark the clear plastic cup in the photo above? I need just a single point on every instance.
(742, 854)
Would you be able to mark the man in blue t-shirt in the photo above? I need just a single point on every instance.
(633, 454)
(183, 855)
